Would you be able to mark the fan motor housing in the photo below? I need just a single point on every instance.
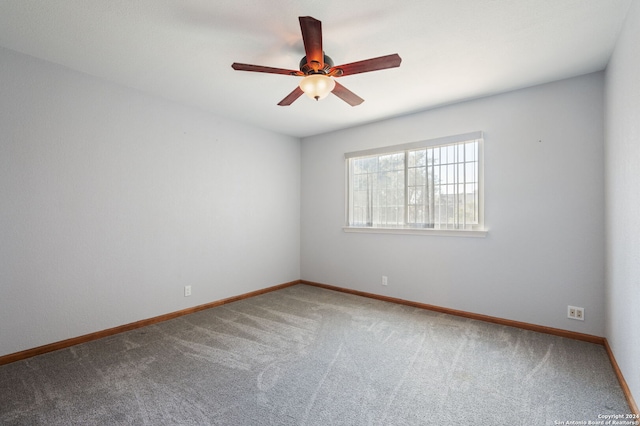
(307, 69)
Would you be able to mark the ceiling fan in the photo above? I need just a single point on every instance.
(318, 69)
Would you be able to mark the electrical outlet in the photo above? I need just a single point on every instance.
(384, 280)
(187, 290)
(575, 312)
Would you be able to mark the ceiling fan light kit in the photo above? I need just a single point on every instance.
(317, 86)
(318, 69)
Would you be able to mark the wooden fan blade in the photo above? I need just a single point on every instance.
(374, 64)
(288, 100)
(312, 39)
(346, 95)
(260, 68)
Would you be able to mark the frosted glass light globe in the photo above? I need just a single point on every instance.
(317, 86)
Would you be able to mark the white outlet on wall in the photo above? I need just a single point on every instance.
(575, 312)
(384, 280)
(187, 290)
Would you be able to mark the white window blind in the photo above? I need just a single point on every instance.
(433, 184)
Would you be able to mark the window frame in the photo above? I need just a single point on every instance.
(478, 230)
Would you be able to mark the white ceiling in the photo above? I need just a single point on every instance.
(451, 50)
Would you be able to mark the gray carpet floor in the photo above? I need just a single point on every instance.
(308, 356)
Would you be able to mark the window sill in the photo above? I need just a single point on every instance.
(418, 231)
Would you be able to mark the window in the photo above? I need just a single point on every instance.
(433, 185)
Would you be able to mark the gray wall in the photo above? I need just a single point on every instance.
(623, 200)
(111, 201)
(544, 191)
